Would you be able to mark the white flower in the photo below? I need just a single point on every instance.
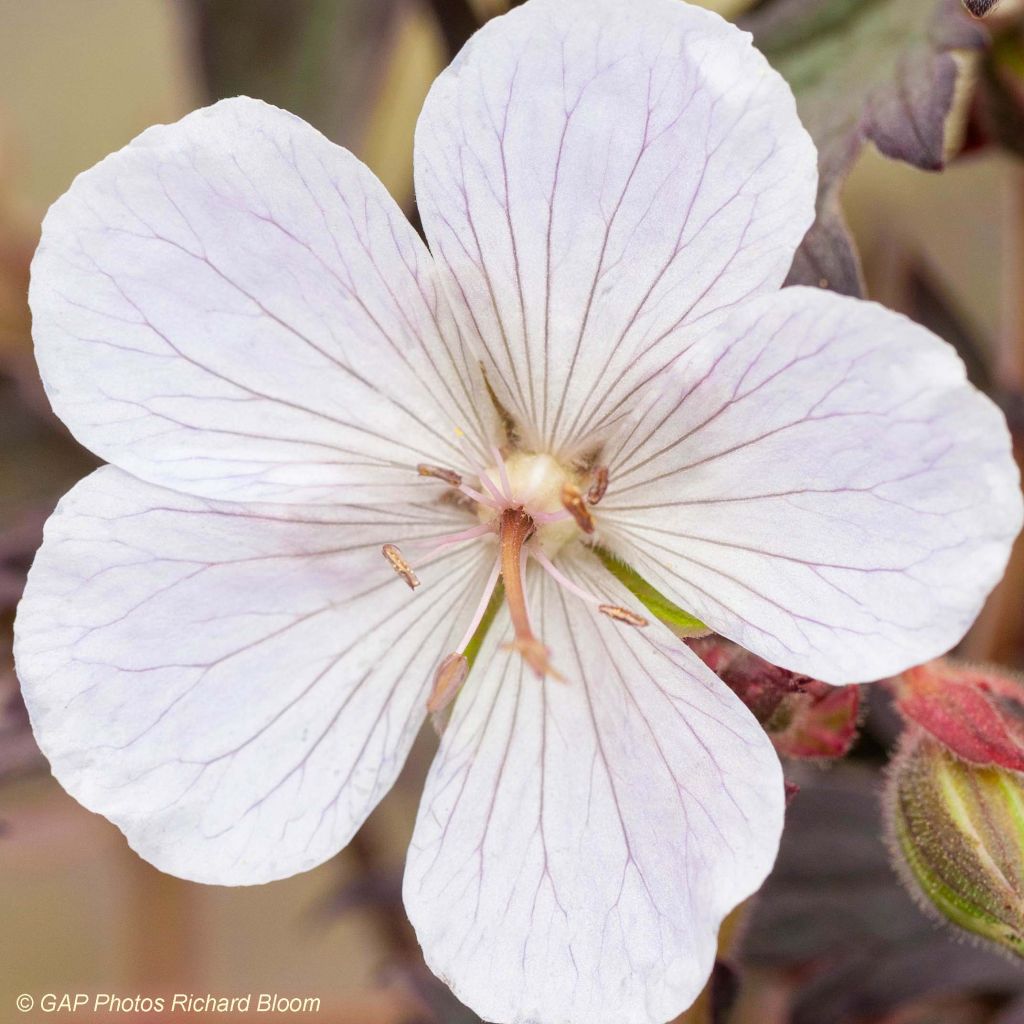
(233, 313)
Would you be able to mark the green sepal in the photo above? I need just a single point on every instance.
(655, 602)
(959, 838)
(477, 640)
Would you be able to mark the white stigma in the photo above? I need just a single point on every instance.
(533, 483)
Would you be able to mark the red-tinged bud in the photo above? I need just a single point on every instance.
(759, 684)
(977, 713)
(804, 717)
(716, 652)
(819, 721)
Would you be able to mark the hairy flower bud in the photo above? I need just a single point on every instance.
(805, 718)
(978, 713)
(958, 839)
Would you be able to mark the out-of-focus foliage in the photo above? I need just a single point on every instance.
(999, 108)
(319, 59)
(887, 71)
(356, 70)
(834, 939)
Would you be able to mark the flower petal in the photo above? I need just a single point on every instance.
(822, 485)
(233, 306)
(600, 181)
(579, 842)
(234, 686)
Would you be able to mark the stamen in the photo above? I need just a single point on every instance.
(482, 499)
(450, 675)
(560, 578)
(452, 672)
(599, 486)
(503, 471)
(478, 615)
(493, 490)
(516, 529)
(497, 499)
(543, 518)
(619, 614)
(449, 476)
(455, 538)
(613, 611)
(400, 565)
(572, 499)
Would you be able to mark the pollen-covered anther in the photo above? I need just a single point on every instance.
(449, 476)
(620, 614)
(572, 501)
(400, 565)
(599, 485)
(448, 679)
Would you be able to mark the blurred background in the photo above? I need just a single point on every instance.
(833, 939)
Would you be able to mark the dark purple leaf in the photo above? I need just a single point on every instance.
(320, 59)
(884, 71)
(834, 912)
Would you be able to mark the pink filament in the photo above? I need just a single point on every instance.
(561, 579)
(481, 499)
(478, 615)
(503, 471)
(543, 518)
(454, 538)
(500, 498)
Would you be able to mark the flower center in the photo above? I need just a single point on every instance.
(535, 507)
(535, 484)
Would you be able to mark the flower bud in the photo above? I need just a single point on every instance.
(958, 838)
(978, 713)
(805, 718)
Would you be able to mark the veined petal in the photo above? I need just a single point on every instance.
(234, 686)
(599, 182)
(821, 484)
(233, 306)
(579, 842)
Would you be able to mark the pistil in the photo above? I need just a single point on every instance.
(516, 529)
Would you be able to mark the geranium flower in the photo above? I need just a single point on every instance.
(593, 366)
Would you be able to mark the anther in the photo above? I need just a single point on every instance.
(449, 476)
(599, 486)
(620, 614)
(572, 500)
(400, 565)
(450, 676)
